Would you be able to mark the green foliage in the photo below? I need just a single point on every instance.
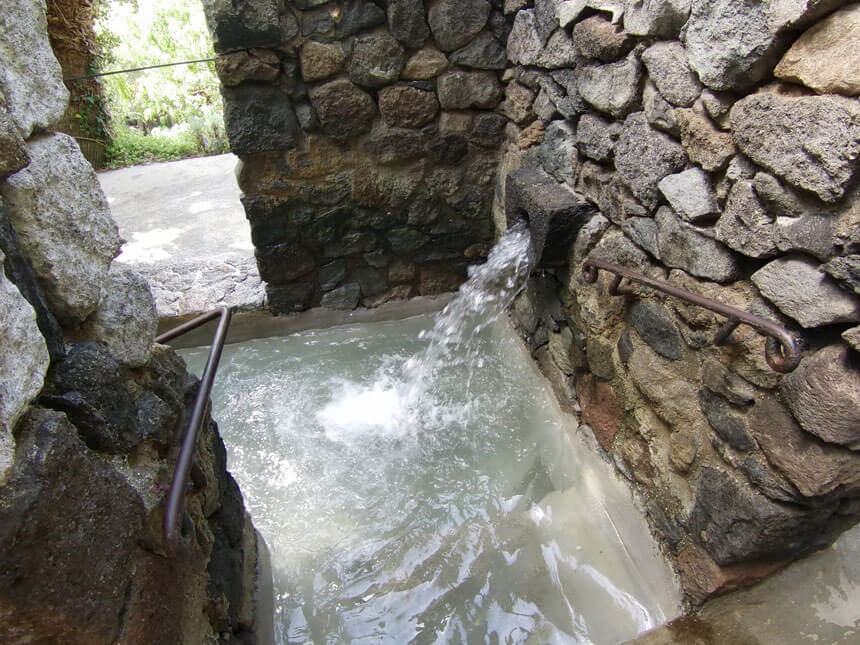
(178, 108)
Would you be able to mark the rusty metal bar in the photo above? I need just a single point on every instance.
(781, 350)
(176, 496)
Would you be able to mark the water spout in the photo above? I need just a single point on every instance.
(553, 212)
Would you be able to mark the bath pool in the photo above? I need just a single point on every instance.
(466, 510)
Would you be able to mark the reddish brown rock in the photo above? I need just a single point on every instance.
(600, 408)
(702, 578)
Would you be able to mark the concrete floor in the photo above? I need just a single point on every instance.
(186, 233)
(178, 209)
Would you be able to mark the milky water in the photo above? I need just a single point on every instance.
(415, 482)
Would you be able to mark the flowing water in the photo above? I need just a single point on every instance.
(415, 482)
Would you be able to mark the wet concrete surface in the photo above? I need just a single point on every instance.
(186, 233)
(814, 600)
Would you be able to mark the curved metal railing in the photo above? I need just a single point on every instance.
(176, 495)
(781, 349)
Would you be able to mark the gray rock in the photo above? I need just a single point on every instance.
(258, 118)
(732, 44)
(612, 88)
(852, 337)
(459, 90)
(544, 107)
(777, 199)
(728, 425)
(735, 523)
(321, 60)
(23, 364)
(290, 298)
(813, 142)
(657, 328)
(407, 107)
(846, 270)
(331, 274)
(344, 110)
(30, 77)
(455, 22)
(358, 15)
(803, 292)
(745, 225)
(588, 237)
(344, 298)
(644, 156)
(407, 23)
(643, 232)
(596, 137)
(558, 149)
(661, 18)
(717, 105)
(125, 319)
(740, 168)
(243, 25)
(658, 111)
(484, 52)
(318, 23)
(81, 582)
(372, 283)
(377, 60)
(13, 150)
(814, 467)
(560, 87)
(826, 57)
(306, 117)
(524, 43)
(57, 197)
(668, 69)
(811, 233)
(559, 52)
(19, 273)
(599, 39)
(823, 394)
(546, 20)
(405, 241)
(89, 387)
(682, 246)
(706, 145)
(690, 195)
(720, 380)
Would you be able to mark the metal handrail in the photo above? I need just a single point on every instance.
(781, 350)
(176, 496)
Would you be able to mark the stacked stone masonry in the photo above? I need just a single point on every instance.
(91, 410)
(369, 138)
(719, 141)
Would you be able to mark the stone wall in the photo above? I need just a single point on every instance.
(719, 140)
(91, 411)
(368, 141)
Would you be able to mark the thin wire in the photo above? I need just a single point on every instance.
(136, 69)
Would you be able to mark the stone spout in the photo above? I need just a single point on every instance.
(554, 213)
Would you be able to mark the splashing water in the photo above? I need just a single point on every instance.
(411, 399)
(415, 483)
